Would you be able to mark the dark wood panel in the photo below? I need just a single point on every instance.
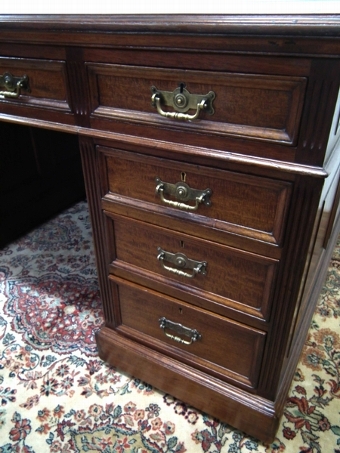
(256, 106)
(46, 79)
(220, 342)
(235, 278)
(46, 96)
(264, 201)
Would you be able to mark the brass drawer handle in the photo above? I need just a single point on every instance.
(156, 100)
(13, 85)
(193, 334)
(182, 192)
(180, 260)
(181, 100)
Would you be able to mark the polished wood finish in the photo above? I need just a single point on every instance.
(269, 154)
(47, 91)
(239, 106)
(264, 200)
(141, 310)
(237, 279)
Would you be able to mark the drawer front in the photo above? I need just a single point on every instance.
(45, 86)
(245, 105)
(246, 205)
(223, 275)
(218, 340)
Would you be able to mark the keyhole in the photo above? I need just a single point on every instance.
(181, 244)
(180, 310)
(181, 87)
(183, 176)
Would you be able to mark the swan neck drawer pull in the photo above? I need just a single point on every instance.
(182, 101)
(182, 192)
(193, 334)
(183, 262)
(12, 85)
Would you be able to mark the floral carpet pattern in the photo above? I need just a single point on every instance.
(58, 396)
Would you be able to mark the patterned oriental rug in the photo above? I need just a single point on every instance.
(58, 396)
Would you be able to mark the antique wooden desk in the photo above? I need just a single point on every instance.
(211, 161)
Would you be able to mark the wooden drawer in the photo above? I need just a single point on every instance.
(246, 205)
(255, 106)
(217, 351)
(45, 87)
(213, 274)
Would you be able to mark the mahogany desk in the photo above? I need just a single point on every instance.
(210, 152)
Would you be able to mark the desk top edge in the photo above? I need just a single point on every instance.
(298, 25)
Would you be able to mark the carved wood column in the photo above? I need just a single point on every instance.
(90, 170)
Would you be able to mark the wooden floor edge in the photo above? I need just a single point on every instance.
(250, 413)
